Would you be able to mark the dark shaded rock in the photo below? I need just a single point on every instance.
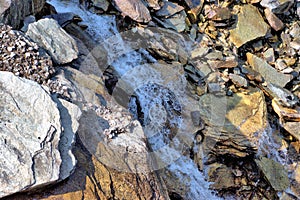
(12, 12)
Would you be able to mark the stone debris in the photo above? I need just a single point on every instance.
(49, 35)
(234, 65)
(23, 57)
(168, 9)
(278, 6)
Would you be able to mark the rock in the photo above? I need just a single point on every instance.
(269, 55)
(222, 177)
(292, 128)
(153, 4)
(70, 115)
(278, 6)
(49, 35)
(244, 31)
(12, 12)
(282, 96)
(176, 22)
(23, 57)
(268, 72)
(219, 14)
(31, 128)
(135, 9)
(195, 8)
(273, 20)
(103, 4)
(168, 9)
(63, 19)
(274, 172)
(238, 80)
(235, 124)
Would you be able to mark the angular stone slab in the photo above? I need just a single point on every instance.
(58, 43)
(250, 26)
(270, 74)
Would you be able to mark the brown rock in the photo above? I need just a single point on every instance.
(293, 128)
(135, 9)
(222, 177)
(273, 20)
(286, 113)
(247, 28)
(234, 123)
(219, 14)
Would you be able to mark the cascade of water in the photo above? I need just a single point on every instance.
(160, 102)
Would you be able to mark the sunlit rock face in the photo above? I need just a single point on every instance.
(235, 123)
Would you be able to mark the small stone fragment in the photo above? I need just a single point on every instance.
(248, 29)
(269, 55)
(270, 74)
(135, 9)
(169, 9)
(238, 80)
(273, 20)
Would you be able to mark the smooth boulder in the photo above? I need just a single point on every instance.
(30, 132)
(57, 42)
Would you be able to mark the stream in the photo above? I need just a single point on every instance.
(160, 99)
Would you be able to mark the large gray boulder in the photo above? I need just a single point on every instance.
(57, 42)
(12, 12)
(31, 127)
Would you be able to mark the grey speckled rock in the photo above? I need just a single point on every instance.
(58, 43)
(30, 130)
(31, 149)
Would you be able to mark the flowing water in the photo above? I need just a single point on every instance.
(159, 100)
